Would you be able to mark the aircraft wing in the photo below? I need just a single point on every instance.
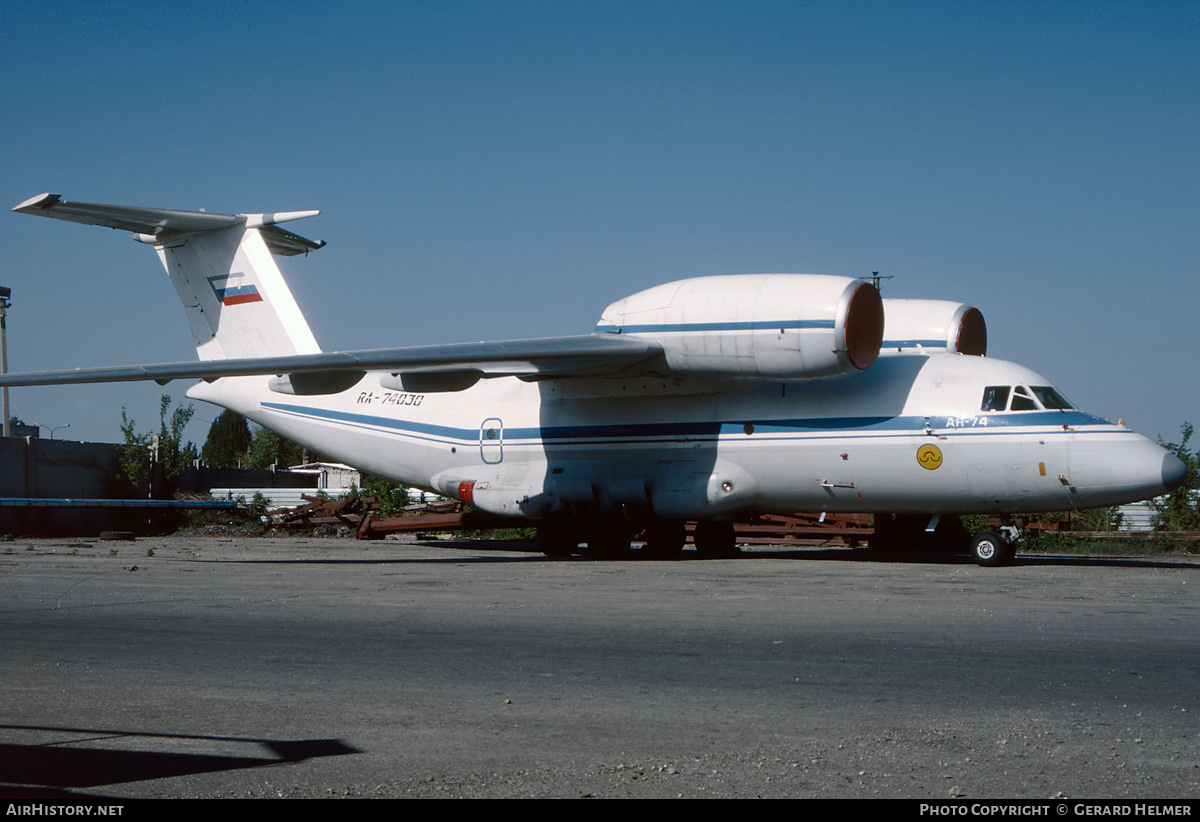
(418, 368)
(435, 367)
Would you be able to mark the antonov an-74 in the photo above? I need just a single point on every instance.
(709, 399)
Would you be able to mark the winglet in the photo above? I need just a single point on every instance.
(38, 203)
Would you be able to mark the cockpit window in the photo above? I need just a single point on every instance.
(1050, 397)
(1022, 401)
(995, 398)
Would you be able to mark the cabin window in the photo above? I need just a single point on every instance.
(995, 398)
(1050, 398)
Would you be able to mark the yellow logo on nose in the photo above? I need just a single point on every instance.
(929, 456)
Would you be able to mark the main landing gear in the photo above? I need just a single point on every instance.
(665, 539)
(715, 539)
(611, 538)
(608, 538)
(558, 537)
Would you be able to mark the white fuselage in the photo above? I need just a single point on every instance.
(906, 436)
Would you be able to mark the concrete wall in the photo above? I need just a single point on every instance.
(61, 469)
(58, 468)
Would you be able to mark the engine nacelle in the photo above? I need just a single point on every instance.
(757, 326)
(933, 327)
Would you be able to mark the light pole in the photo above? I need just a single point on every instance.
(52, 429)
(5, 293)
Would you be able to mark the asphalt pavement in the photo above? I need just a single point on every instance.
(208, 666)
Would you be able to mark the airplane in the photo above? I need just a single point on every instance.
(707, 400)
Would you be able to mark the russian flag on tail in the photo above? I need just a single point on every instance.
(235, 289)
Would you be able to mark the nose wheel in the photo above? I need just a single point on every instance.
(993, 549)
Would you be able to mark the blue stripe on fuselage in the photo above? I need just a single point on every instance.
(1007, 423)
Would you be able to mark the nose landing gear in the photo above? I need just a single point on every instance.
(995, 548)
(991, 548)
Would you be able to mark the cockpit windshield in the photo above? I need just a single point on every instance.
(1022, 398)
(1022, 401)
(1050, 398)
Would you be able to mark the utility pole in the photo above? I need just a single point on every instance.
(5, 293)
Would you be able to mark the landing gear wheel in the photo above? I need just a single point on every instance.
(609, 540)
(715, 539)
(883, 533)
(992, 550)
(664, 540)
(557, 538)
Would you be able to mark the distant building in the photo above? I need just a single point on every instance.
(1137, 516)
(333, 478)
(328, 479)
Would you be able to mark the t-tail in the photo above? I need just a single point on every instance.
(235, 298)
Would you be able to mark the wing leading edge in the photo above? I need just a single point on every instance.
(433, 367)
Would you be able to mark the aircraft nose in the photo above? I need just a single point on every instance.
(1174, 472)
(1110, 469)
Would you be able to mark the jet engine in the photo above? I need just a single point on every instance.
(757, 326)
(933, 327)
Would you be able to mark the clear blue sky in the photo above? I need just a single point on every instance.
(492, 170)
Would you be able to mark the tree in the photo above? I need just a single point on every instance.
(1178, 510)
(391, 496)
(268, 449)
(228, 442)
(146, 457)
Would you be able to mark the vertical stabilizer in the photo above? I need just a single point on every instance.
(235, 297)
(236, 300)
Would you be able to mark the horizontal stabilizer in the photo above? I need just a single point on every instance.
(162, 224)
(583, 355)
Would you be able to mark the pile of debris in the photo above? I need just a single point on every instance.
(848, 530)
(358, 513)
(317, 511)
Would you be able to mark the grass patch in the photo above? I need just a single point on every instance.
(503, 534)
(1131, 547)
